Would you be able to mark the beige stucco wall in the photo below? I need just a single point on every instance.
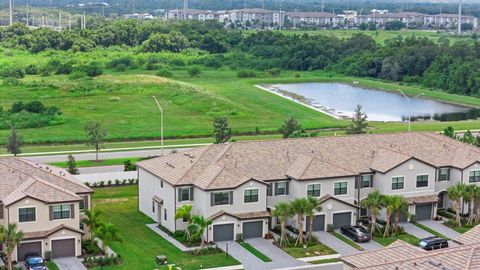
(43, 221)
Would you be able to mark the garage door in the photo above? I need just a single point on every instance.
(318, 223)
(24, 248)
(223, 232)
(403, 217)
(423, 211)
(342, 219)
(63, 248)
(252, 229)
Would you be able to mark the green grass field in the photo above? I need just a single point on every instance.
(404, 237)
(347, 240)
(255, 252)
(122, 102)
(140, 244)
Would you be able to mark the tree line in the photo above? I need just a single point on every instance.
(436, 64)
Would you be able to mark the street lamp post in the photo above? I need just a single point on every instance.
(410, 107)
(161, 122)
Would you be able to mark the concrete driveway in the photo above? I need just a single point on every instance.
(370, 245)
(336, 244)
(69, 263)
(440, 228)
(250, 262)
(415, 231)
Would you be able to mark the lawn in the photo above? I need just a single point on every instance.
(93, 163)
(140, 244)
(404, 237)
(122, 102)
(313, 249)
(52, 266)
(333, 260)
(347, 240)
(430, 230)
(255, 252)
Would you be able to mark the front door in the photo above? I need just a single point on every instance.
(441, 200)
(159, 213)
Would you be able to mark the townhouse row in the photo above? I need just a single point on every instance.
(46, 203)
(237, 185)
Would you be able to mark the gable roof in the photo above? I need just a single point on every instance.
(228, 165)
(20, 178)
(330, 197)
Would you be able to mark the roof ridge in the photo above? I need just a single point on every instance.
(222, 167)
(470, 258)
(306, 167)
(335, 165)
(55, 186)
(193, 164)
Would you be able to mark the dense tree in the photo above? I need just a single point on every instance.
(95, 136)
(14, 142)
(72, 165)
(283, 211)
(10, 236)
(373, 202)
(455, 194)
(289, 127)
(301, 207)
(221, 130)
(108, 233)
(359, 122)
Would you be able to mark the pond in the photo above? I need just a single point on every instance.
(340, 100)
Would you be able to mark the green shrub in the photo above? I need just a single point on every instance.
(120, 67)
(31, 69)
(92, 69)
(274, 72)
(194, 71)
(330, 228)
(12, 71)
(11, 81)
(164, 73)
(246, 74)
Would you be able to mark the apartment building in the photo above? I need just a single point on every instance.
(237, 185)
(448, 20)
(257, 17)
(46, 203)
(319, 19)
(380, 18)
(192, 14)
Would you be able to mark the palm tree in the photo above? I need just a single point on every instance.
(202, 225)
(92, 221)
(312, 207)
(282, 212)
(469, 197)
(185, 212)
(108, 233)
(476, 197)
(455, 194)
(399, 204)
(11, 238)
(389, 204)
(373, 202)
(299, 207)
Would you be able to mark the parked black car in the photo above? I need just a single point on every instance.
(357, 233)
(433, 242)
(33, 261)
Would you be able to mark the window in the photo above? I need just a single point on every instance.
(185, 194)
(221, 198)
(250, 195)
(474, 176)
(61, 211)
(153, 206)
(363, 212)
(398, 182)
(269, 190)
(161, 184)
(422, 180)
(84, 202)
(281, 188)
(444, 174)
(340, 188)
(165, 214)
(313, 190)
(27, 214)
(185, 219)
(367, 181)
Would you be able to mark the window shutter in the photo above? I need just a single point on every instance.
(179, 194)
(191, 194)
(85, 204)
(269, 190)
(72, 211)
(276, 189)
(1, 211)
(212, 199)
(50, 212)
(357, 180)
(230, 197)
(371, 181)
(287, 184)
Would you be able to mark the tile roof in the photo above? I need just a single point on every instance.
(470, 237)
(241, 216)
(20, 178)
(422, 199)
(232, 164)
(43, 234)
(403, 256)
(299, 14)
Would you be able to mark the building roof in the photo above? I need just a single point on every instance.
(43, 234)
(241, 216)
(470, 237)
(20, 178)
(393, 15)
(223, 166)
(422, 199)
(254, 10)
(300, 14)
(403, 256)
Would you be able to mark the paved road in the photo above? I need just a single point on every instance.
(103, 155)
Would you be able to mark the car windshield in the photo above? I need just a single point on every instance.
(423, 243)
(361, 230)
(35, 261)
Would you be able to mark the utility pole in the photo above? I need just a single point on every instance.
(133, 6)
(59, 20)
(185, 6)
(459, 17)
(27, 14)
(69, 21)
(323, 5)
(10, 5)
